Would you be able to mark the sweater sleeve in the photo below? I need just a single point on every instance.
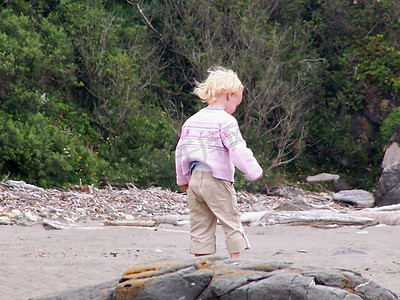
(240, 155)
(181, 177)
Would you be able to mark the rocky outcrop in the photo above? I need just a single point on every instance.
(220, 278)
(388, 189)
(392, 155)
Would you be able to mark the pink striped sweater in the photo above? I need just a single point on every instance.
(212, 136)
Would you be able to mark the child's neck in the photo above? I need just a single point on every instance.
(220, 102)
(215, 106)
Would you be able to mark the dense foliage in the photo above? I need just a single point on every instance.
(98, 89)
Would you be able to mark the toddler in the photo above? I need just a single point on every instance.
(209, 149)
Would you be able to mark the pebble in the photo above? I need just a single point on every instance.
(4, 220)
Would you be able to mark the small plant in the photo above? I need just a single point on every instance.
(390, 124)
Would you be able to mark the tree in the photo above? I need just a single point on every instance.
(278, 81)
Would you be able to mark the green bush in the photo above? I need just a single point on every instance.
(390, 124)
(143, 152)
(40, 153)
(98, 88)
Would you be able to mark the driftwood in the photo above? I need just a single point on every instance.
(143, 223)
(302, 217)
(394, 207)
(173, 219)
(389, 215)
(23, 185)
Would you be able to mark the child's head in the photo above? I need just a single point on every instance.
(219, 80)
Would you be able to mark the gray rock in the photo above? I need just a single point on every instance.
(4, 220)
(184, 284)
(388, 188)
(95, 292)
(220, 278)
(322, 177)
(392, 155)
(274, 287)
(293, 206)
(359, 198)
(51, 225)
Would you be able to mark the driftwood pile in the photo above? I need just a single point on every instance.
(25, 204)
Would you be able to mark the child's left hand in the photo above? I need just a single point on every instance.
(184, 187)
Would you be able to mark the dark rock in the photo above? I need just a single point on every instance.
(396, 136)
(388, 188)
(95, 292)
(360, 128)
(341, 185)
(220, 278)
(186, 283)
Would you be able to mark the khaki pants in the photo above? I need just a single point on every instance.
(209, 200)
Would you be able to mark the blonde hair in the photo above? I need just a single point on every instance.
(219, 80)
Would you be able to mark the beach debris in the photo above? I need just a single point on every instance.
(303, 218)
(23, 185)
(57, 209)
(302, 251)
(139, 223)
(173, 219)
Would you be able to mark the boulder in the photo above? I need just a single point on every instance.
(359, 198)
(392, 155)
(322, 177)
(221, 278)
(388, 188)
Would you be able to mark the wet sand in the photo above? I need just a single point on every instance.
(36, 262)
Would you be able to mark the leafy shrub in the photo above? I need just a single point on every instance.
(143, 152)
(38, 152)
(390, 124)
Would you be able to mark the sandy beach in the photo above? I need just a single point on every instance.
(35, 261)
